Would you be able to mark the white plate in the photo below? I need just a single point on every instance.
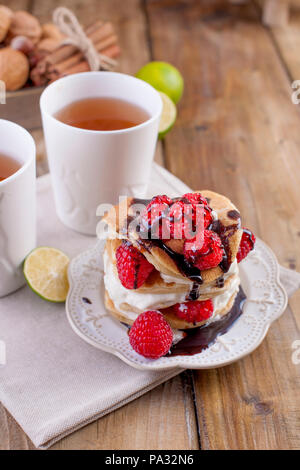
(266, 301)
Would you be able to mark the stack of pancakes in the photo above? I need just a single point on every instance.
(169, 284)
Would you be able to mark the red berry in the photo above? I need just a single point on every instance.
(181, 216)
(196, 199)
(246, 245)
(133, 268)
(207, 256)
(194, 311)
(156, 217)
(151, 335)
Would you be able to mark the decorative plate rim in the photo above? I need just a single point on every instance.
(181, 362)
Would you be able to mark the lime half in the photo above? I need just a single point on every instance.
(168, 116)
(46, 272)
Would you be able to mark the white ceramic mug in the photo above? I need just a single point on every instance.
(93, 167)
(17, 206)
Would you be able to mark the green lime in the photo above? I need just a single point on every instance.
(168, 116)
(163, 77)
(46, 272)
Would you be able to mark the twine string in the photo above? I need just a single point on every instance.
(68, 24)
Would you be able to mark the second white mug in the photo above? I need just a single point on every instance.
(93, 167)
(17, 206)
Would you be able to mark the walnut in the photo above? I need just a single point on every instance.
(50, 31)
(5, 21)
(14, 68)
(25, 24)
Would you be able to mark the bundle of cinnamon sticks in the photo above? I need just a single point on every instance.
(67, 59)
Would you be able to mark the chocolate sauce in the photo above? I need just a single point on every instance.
(198, 339)
(186, 268)
(136, 275)
(146, 242)
(194, 292)
(145, 202)
(86, 300)
(235, 215)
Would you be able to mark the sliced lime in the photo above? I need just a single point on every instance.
(168, 116)
(46, 272)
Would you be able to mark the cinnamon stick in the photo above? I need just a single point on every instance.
(67, 59)
(64, 52)
(112, 51)
(78, 57)
(83, 66)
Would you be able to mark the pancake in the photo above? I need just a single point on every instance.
(171, 281)
(157, 282)
(128, 317)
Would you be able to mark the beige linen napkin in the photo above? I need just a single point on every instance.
(53, 382)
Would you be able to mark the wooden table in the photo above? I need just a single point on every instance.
(237, 133)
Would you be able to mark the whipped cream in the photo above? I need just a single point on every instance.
(140, 300)
(220, 301)
(152, 301)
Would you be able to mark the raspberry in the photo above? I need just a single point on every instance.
(195, 199)
(246, 245)
(155, 216)
(133, 268)
(151, 335)
(194, 311)
(209, 255)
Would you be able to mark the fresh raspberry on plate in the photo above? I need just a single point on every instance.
(151, 335)
(246, 245)
(196, 199)
(156, 216)
(194, 311)
(133, 268)
(207, 256)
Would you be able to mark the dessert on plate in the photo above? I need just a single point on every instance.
(171, 270)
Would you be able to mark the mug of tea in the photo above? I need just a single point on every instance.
(100, 130)
(17, 203)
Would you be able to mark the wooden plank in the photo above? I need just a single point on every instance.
(12, 437)
(17, 4)
(288, 42)
(276, 12)
(238, 134)
(163, 419)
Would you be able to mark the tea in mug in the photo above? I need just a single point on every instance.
(8, 166)
(102, 114)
